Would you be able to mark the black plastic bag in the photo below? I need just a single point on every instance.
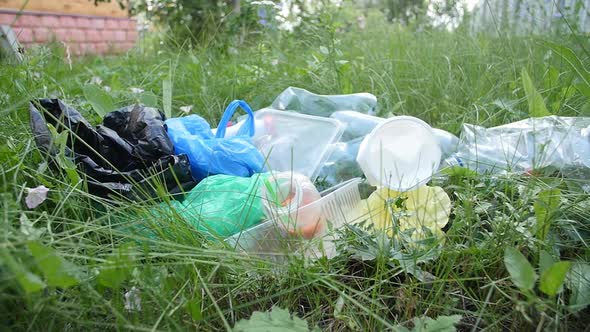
(127, 155)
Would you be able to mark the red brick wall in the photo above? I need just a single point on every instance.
(82, 34)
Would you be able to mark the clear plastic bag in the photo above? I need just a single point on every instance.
(559, 142)
(357, 124)
(305, 102)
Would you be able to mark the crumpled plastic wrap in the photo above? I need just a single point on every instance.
(305, 102)
(535, 143)
(127, 155)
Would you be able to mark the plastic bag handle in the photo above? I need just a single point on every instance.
(248, 126)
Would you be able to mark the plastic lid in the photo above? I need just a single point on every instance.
(401, 153)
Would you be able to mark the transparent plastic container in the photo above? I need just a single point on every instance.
(292, 142)
(337, 206)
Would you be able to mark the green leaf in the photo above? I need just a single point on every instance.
(149, 99)
(551, 79)
(578, 281)
(546, 204)
(276, 320)
(575, 64)
(193, 307)
(537, 106)
(167, 97)
(521, 271)
(101, 101)
(583, 88)
(545, 261)
(57, 271)
(30, 282)
(112, 274)
(552, 279)
(115, 270)
(440, 324)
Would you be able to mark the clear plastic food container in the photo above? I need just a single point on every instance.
(293, 142)
(337, 206)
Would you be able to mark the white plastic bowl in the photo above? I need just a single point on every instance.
(401, 153)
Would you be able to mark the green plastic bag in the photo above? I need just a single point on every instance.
(223, 205)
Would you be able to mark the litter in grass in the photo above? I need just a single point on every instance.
(260, 178)
(36, 196)
(128, 155)
(211, 154)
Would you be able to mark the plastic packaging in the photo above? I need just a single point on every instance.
(342, 164)
(126, 156)
(223, 205)
(288, 198)
(421, 211)
(448, 142)
(339, 206)
(401, 153)
(216, 154)
(562, 143)
(357, 124)
(292, 142)
(305, 102)
(360, 125)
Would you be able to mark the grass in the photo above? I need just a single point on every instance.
(188, 282)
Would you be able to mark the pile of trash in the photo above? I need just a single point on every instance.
(256, 181)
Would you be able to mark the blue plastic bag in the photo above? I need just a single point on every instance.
(213, 154)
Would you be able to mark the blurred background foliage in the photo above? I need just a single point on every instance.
(207, 20)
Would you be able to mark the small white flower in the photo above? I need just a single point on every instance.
(137, 90)
(36, 196)
(96, 80)
(133, 300)
(274, 62)
(362, 21)
(186, 109)
(265, 3)
(107, 88)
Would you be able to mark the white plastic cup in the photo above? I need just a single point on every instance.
(401, 153)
